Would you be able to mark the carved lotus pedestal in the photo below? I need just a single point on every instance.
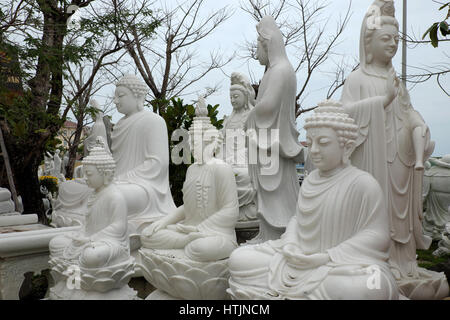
(78, 283)
(426, 285)
(177, 277)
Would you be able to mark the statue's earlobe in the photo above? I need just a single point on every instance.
(348, 150)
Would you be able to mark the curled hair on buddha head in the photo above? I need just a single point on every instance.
(100, 157)
(242, 83)
(137, 86)
(330, 114)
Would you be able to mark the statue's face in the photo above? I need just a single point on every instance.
(262, 53)
(125, 101)
(94, 178)
(237, 99)
(384, 43)
(202, 147)
(324, 148)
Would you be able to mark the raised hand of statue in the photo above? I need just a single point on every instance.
(392, 87)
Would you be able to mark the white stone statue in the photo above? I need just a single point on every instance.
(444, 243)
(65, 162)
(185, 253)
(242, 96)
(6, 203)
(393, 141)
(272, 123)
(99, 254)
(57, 167)
(337, 243)
(140, 149)
(436, 192)
(98, 129)
(48, 164)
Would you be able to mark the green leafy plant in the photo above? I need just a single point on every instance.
(441, 26)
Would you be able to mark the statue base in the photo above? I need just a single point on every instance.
(61, 292)
(177, 276)
(429, 285)
(160, 295)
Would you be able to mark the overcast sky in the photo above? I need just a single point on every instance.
(427, 98)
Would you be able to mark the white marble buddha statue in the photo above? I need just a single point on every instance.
(242, 97)
(336, 244)
(185, 254)
(100, 251)
(204, 225)
(140, 149)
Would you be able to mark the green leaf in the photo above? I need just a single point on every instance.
(443, 27)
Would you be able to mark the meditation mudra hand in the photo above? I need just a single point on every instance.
(204, 225)
(338, 236)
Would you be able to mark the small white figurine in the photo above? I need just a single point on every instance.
(97, 130)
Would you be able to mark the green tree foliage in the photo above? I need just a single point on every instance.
(35, 34)
(442, 27)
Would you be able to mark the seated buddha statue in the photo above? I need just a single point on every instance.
(199, 235)
(140, 150)
(204, 225)
(100, 250)
(336, 245)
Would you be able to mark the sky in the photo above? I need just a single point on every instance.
(432, 103)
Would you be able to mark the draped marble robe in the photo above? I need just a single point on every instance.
(385, 150)
(140, 149)
(209, 203)
(105, 225)
(275, 109)
(342, 215)
(237, 157)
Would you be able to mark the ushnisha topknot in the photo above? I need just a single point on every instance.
(386, 7)
(100, 157)
(130, 81)
(330, 114)
(201, 127)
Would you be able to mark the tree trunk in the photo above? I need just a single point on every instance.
(73, 151)
(28, 183)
